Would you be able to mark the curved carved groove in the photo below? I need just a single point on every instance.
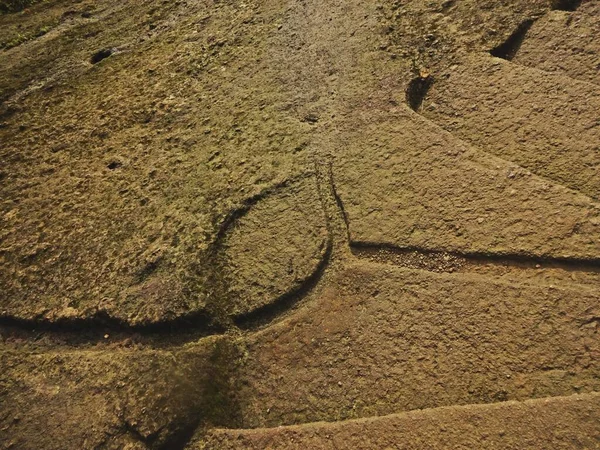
(237, 213)
(238, 287)
(270, 312)
(183, 329)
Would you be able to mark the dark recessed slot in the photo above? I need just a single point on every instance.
(114, 165)
(100, 55)
(566, 5)
(509, 48)
(417, 91)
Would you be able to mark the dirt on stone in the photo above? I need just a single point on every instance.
(299, 224)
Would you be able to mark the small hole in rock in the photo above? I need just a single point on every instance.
(100, 55)
(417, 91)
(114, 165)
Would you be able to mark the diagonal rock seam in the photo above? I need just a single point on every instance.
(510, 47)
(418, 87)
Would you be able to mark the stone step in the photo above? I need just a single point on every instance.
(405, 181)
(545, 122)
(565, 42)
(380, 339)
(556, 423)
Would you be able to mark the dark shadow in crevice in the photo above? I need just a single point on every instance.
(215, 399)
(16, 6)
(113, 165)
(566, 5)
(101, 327)
(340, 204)
(447, 4)
(6, 112)
(509, 48)
(417, 91)
(101, 55)
(449, 261)
(211, 320)
(181, 439)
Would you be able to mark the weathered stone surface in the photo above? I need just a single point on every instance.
(535, 423)
(231, 214)
(547, 123)
(565, 42)
(382, 339)
(408, 183)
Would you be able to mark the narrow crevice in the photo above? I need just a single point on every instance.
(339, 202)
(448, 261)
(417, 91)
(510, 47)
(333, 208)
(218, 403)
(113, 165)
(566, 5)
(104, 328)
(136, 435)
(6, 112)
(447, 4)
(16, 6)
(181, 439)
(590, 321)
(101, 55)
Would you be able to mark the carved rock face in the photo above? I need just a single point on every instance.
(238, 214)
